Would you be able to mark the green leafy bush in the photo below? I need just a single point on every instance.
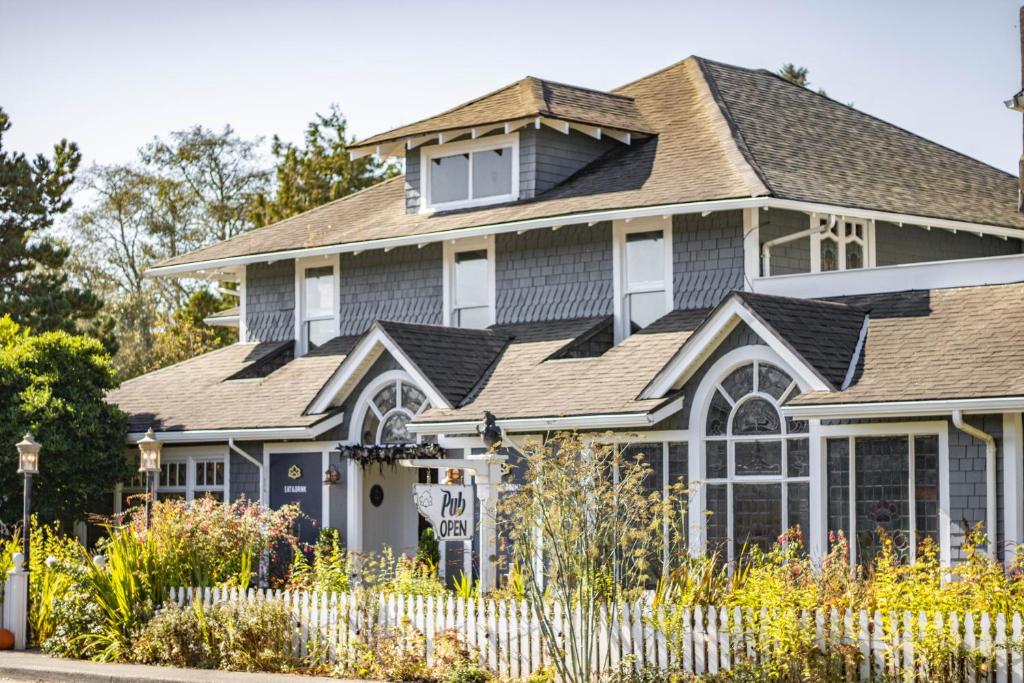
(230, 636)
(329, 569)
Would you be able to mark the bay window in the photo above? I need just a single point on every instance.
(472, 173)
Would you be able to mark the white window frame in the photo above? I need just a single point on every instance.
(784, 436)
(867, 242)
(430, 152)
(301, 266)
(453, 247)
(365, 404)
(188, 456)
(907, 430)
(622, 289)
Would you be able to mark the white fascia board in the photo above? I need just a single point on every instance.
(576, 422)
(258, 434)
(588, 217)
(699, 347)
(375, 338)
(975, 406)
(222, 321)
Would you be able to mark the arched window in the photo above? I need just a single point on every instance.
(389, 412)
(756, 462)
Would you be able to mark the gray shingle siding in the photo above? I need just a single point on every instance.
(707, 257)
(547, 275)
(912, 244)
(270, 301)
(547, 157)
(403, 285)
(967, 480)
(412, 181)
(791, 257)
(245, 476)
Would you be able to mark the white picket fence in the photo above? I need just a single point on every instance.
(507, 634)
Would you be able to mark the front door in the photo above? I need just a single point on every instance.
(296, 478)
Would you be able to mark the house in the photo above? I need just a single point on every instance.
(810, 315)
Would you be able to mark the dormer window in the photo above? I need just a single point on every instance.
(473, 173)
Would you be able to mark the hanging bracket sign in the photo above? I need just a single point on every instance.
(448, 508)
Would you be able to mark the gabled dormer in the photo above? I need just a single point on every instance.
(510, 145)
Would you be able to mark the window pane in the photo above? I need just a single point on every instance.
(796, 426)
(412, 398)
(449, 179)
(319, 292)
(758, 457)
(854, 255)
(370, 425)
(473, 318)
(718, 415)
(470, 279)
(756, 416)
(717, 465)
(740, 382)
(757, 515)
(829, 255)
(395, 430)
(645, 308)
(492, 172)
(218, 473)
(797, 458)
(838, 465)
(718, 520)
(651, 456)
(799, 506)
(319, 332)
(385, 398)
(881, 492)
(678, 463)
(771, 380)
(926, 487)
(645, 258)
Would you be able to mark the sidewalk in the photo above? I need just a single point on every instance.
(34, 666)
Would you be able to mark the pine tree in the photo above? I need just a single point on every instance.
(34, 288)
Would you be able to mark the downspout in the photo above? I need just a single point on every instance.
(990, 476)
(766, 256)
(254, 461)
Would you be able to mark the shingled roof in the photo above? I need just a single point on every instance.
(527, 98)
(936, 345)
(721, 132)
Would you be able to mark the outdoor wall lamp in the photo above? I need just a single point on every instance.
(149, 465)
(332, 475)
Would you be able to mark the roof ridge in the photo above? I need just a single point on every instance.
(736, 135)
(671, 66)
(596, 91)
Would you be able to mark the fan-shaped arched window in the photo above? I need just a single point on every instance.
(389, 412)
(755, 462)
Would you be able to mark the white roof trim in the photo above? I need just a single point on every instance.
(222, 320)
(905, 408)
(347, 374)
(255, 434)
(578, 422)
(699, 347)
(586, 217)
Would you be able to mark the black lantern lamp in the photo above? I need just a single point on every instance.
(149, 465)
(28, 465)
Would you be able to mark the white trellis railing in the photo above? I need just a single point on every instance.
(507, 634)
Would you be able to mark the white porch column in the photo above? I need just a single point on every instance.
(354, 506)
(817, 534)
(487, 468)
(751, 246)
(696, 520)
(1013, 484)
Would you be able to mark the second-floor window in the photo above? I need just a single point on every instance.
(845, 244)
(644, 250)
(469, 284)
(467, 174)
(317, 305)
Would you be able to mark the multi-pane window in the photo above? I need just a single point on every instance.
(882, 486)
(470, 289)
(645, 299)
(318, 306)
(757, 481)
(389, 412)
(182, 477)
(209, 478)
(470, 174)
(843, 245)
(173, 480)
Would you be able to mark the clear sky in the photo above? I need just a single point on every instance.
(112, 74)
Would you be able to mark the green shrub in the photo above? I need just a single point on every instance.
(328, 572)
(230, 636)
(71, 615)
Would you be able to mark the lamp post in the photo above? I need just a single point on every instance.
(28, 465)
(149, 464)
